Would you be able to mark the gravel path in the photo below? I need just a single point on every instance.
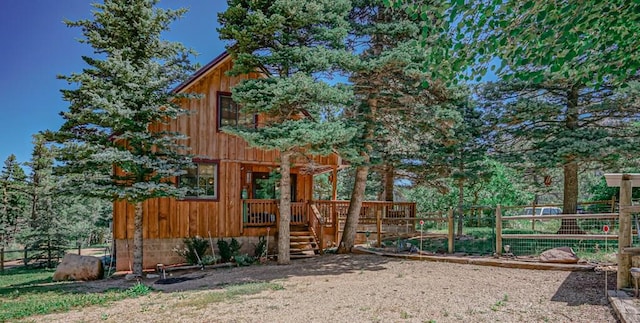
(364, 288)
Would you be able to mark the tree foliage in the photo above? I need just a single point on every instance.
(395, 97)
(13, 199)
(588, 44)
(47, 231)
(293, 42)
(119, 108)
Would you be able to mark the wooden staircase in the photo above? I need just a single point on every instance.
(302, 243)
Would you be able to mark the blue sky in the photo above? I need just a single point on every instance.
(37, 46)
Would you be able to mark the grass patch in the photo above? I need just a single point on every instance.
(230, 293)
(26, 292)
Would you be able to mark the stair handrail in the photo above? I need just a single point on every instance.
(316, 225)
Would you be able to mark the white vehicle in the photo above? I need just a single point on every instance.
(543, 210)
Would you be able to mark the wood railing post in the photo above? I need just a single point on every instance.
(613, 210)
(2, 259)
(336, 224)
(379, 228)
(450, 228)
(533, 213)
(499, 230)
(624, 236)
(322, 246)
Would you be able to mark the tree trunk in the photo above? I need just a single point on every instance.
(460, 207)
(353, 214)
(284, 257)
(137, 240)
(570, 199)
(348, 239)
(389, 179)
(570, 168)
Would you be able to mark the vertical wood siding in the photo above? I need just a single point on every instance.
(170, 218)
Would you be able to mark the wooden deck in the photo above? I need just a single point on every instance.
(326, 219)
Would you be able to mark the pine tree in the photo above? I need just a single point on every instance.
(46, 235)
(394, 97)
(294, 42)
(562, 124)
(13, 200)
(459, 155)
(118, 111)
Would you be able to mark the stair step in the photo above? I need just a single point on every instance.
(302, 239)
(299, 233)
(302, 243)
(302, 256)
(298, 250)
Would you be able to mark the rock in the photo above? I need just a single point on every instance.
(76, 267)
(561, 255)
(131, 276)
(153, 276)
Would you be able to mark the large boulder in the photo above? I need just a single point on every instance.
(76, 267)
(561, 255)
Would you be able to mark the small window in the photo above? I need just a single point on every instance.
(203, 179)
(229, 114)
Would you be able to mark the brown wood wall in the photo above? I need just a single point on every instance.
(170, 218)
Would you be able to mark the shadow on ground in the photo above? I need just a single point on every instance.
(581, 288)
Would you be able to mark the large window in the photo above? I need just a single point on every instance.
(203, 181)
(229, 113)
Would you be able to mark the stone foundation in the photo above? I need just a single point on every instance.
(160, 251)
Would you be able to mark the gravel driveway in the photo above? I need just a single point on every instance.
(364, 288)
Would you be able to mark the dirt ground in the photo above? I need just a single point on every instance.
(363, 288)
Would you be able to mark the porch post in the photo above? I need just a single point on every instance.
(334, 183)
(624, 238)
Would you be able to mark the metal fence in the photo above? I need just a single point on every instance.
(525, 231)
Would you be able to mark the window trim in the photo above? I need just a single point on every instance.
(205, 161)
(219, 95)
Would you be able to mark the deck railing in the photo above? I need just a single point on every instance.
(258, 213)
(264, 212)
(331, 211)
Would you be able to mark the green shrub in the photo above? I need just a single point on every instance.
(210, 260)
(194, 250)
(244, 260)
(234, 246)
(225, 251)
(228, 249)
(261, 247)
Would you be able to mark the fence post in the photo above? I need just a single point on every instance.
(499, 230)
(533, 213)
(379, 228)
(2, 259)
(450, 227)
(25, 259)
(624, 235)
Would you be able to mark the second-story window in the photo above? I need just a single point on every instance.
(229, 113)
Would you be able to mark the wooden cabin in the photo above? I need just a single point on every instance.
(237, 197)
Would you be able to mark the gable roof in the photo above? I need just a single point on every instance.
(201, 72)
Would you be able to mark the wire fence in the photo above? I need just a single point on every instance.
(526, 230)
(40, 257)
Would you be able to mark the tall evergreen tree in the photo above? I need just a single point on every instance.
(560, 123)
(13, 200)
(394, 97)
(460, 155)
(118, 111)
(294, 42)
(46, 234)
